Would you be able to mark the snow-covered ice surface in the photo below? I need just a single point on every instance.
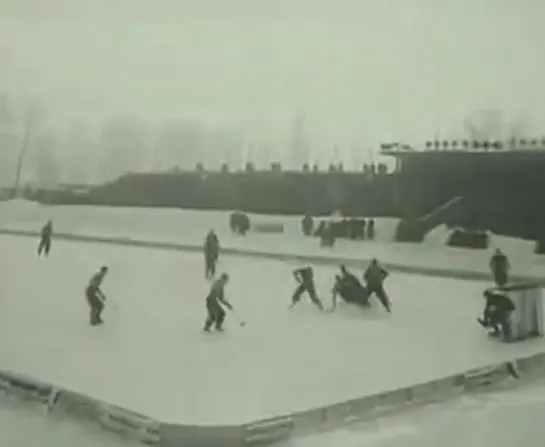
(26, 426)
(129, 219)
(188, 227)
(152, 357)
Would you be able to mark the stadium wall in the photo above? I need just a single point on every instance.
(263, 192)
(500, 188)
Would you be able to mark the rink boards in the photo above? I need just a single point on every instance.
(150, 431)
(264, 432)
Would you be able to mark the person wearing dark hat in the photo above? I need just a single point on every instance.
(95, 297)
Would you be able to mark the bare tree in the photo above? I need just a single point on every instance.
(179, 143)
(32, 117)
(8, 142)
(486, 124)
(493, 124)
(124, 142)
(298, 141)
(46, 167)
(7, 117)
(518, 126)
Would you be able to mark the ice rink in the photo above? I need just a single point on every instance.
(152, 357)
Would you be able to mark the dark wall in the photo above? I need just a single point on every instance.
(258, 192)
(502, 192)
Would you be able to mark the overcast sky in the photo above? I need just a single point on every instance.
(367, 69)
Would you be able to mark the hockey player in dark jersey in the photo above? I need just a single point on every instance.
(374, 278)
(95, 297)
(349, 288)
(45, 239)
(351, 281)
(497, 312)
(340, 289)
(499, 265)
(305, 277)
(215, 301)
(211, 253)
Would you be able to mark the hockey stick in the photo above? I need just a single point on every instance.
(241, 322)
(109, 304)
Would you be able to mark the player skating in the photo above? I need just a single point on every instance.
(349, 288)
(374, 278)
(214, 304)
(211, 253)
(305, 277)
(45, 239)
(95, 297)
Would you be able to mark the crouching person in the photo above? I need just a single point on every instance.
(497, 313)
(349, 288)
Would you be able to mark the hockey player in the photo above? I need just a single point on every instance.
(374, 278)
(497, 312)
(349, 288)
(211, 253)
(45, 239)
(499, 265)
(215, 301)
(305, 277)
(350, 293)
(95, 297)
(339, 289)
(349, 278)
